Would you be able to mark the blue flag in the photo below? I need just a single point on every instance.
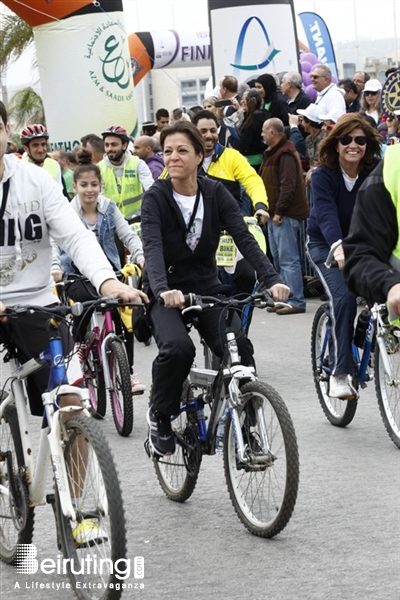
(319, 39)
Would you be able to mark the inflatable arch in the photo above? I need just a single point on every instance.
(84, 66)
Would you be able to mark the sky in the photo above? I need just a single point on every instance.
(347, 20)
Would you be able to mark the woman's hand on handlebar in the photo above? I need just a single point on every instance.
(57, 275)
(280, 292)
(338, 255)
(2, 310)
(112, 288)
(173, 299)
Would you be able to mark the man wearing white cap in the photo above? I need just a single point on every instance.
(330, 119)
(329, 96)
(312, 124)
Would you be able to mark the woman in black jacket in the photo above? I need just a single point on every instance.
(274, 105)
(182, 218)
(250, 142)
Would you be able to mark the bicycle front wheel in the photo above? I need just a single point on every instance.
(263, 490)
(338, 412)
(16, 517)
(387, 386)
(177, 474)
(121, 392)
(94, 378)
(98, 537)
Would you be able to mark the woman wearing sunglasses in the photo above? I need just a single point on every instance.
(371, 100)
(346, 157)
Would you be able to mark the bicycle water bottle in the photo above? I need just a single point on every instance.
(361, 327)
(219, 440)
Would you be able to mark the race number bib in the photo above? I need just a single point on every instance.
(226, 251)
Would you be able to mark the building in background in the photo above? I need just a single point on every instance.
(170, 88)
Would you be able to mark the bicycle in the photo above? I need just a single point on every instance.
(260, 453)
(105, 366)
(378, 358)
(86, 500)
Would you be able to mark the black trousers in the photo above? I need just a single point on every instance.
(177, 351)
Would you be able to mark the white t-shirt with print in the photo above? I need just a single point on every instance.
(186, 205)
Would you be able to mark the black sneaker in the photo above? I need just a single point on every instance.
(161, 437)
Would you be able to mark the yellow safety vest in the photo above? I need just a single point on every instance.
(391, 180)
(50, 165)
(128, 194)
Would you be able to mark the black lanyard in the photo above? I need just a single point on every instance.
(195, 207)
(6, 187)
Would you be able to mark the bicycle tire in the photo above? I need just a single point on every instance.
(86, 450)
(388, 392)
(94, 378)
(16, 523)
(177, 474)
(263, 494)
(338, 412)
(121, 392)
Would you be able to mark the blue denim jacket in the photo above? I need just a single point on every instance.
(106, 235)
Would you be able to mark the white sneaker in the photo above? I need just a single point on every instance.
(137, 387)
(339, 387)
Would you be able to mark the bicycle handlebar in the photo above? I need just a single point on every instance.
(197, 302)
(330, 263)
(62, 310)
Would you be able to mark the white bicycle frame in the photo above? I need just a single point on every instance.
(50, 445)
(233, 400)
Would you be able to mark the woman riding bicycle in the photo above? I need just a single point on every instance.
(182, 218)
(100, 215)
(346, 157)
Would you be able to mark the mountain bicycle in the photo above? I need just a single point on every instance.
(260, 453)
(105, 365)
(376, 356)
(86, 497)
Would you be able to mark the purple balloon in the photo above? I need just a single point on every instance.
(311, 92)
(309, 57)
(334, 79)
(306, 66)
(306, 79)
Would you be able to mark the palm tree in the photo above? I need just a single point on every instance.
(26, 106)
(16, 36)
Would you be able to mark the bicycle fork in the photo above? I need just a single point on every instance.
(236, 401)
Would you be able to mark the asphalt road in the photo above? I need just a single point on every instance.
(342, 543)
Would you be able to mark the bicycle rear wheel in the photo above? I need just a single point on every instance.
(121, 392)
(96, 493)
(16, 517)
(177, 474)
(338, 412)
(94, 378)
(263, 491)
(388, 387)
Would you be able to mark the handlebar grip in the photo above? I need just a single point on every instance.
(189, 299)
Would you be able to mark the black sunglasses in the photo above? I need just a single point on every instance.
(370, 93)
(360, 140)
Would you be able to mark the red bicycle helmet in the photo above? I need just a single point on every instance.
(31, 132)
(117, 131)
